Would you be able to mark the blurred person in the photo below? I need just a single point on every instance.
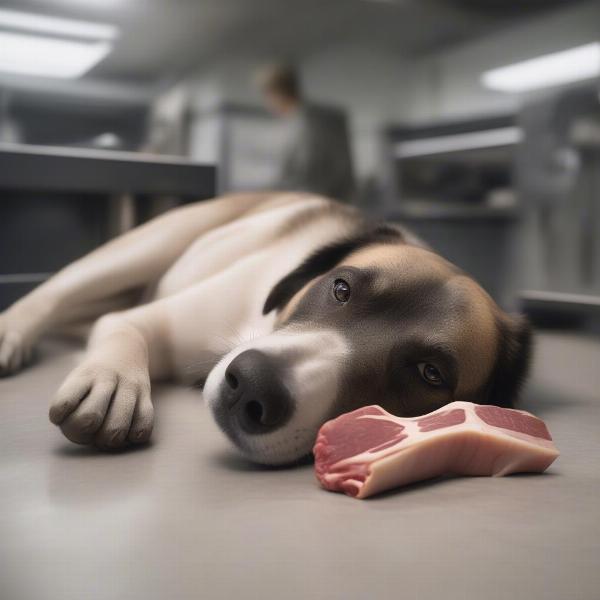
(316, 156)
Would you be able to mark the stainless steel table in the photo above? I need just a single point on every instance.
(57, 169)
(49, 209)
(187, 518)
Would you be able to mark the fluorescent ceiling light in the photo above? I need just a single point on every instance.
(32, 23)
(49, 57)
(503, 136)
(582, 62)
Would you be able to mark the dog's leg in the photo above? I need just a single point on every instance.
(128, 262)
(106, 399)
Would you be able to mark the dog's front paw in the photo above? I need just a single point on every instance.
(16, 345)
(109, 407)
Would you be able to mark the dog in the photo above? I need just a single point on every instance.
(289, 308)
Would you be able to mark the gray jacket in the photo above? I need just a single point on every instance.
(317, 153)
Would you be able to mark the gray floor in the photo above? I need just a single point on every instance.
(187, 518)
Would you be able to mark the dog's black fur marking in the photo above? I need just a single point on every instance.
(515, 335)
(512, 363)
(323, 260)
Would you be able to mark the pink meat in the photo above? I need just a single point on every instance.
(369, 451)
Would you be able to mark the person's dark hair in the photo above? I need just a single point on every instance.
(281, 79)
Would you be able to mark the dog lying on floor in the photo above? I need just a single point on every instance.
(291, 307)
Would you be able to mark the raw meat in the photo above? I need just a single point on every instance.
(369, 450)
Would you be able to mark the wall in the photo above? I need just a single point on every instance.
(447, 85)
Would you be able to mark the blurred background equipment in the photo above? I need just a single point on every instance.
(473, 121)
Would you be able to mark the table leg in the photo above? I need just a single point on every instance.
(122, 214)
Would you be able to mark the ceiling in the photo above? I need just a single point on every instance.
(163, 39)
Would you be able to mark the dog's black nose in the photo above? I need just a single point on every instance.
(255, 393)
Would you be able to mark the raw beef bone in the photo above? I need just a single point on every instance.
(369, 450)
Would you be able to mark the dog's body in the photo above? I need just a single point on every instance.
(295, 307)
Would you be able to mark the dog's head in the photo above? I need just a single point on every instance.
(367, 320)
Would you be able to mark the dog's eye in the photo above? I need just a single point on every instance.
(341, 291)
(430, 373)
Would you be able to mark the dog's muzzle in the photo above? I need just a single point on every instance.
(254, 394)
(271, 395)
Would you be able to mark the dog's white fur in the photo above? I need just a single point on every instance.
(206, 270)
(313, 380)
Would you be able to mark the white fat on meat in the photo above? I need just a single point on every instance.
(369, 451)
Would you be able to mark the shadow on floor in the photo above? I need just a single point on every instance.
(230, 459)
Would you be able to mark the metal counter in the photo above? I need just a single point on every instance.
(57, 204)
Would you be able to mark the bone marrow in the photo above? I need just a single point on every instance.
(369, 451)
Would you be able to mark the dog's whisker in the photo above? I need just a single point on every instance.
(191, 367)
(199, 363)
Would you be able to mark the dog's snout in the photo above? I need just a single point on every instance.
(255, 393)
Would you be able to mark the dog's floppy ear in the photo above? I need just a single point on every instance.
(323, 260)
(512, 362)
